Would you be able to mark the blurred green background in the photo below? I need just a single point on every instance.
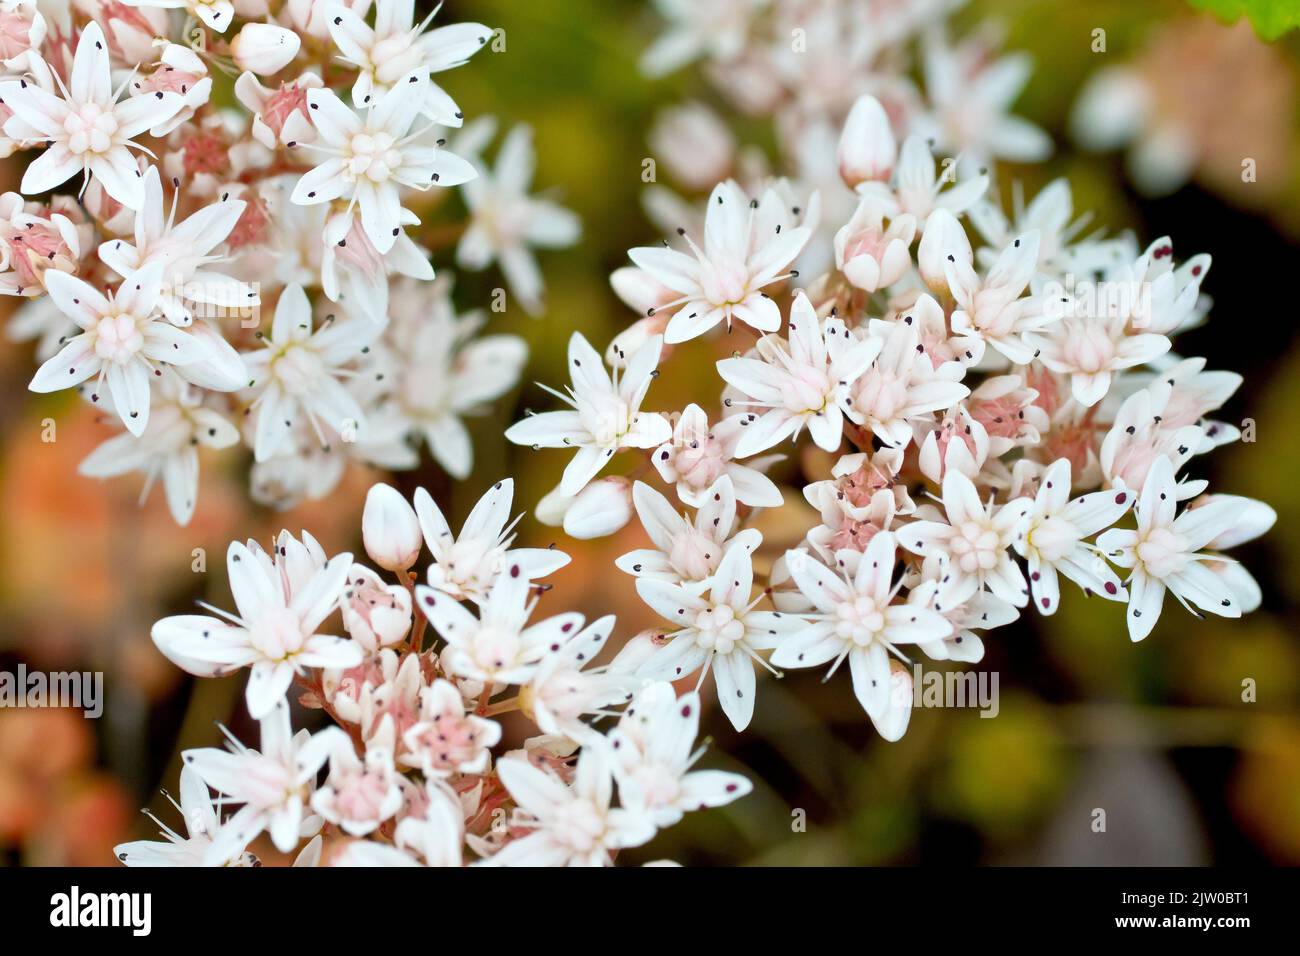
(1156, 734)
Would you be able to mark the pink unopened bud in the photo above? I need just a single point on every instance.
(867, 148)
(264, 48)
(601, 508)
(390, 530)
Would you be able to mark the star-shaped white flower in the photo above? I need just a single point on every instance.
(373, 155)
(87, 128)
(123, 342)
(199, 811)
(571, 826)
(747, 245)
(975, 540)
(718, 629)
(1164, 553)
(653, 750)
(396, 46)
(605, 413)
(994, 307)
(685, 552)
(699, 454)
(856, 617)
(802, 383)
(1054, 538)
(274, 785)
(466, 566)
(276, 632)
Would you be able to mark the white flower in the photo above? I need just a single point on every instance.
(975, 539)
(653, 750)
(395, 47)
(372, 156)
(466, 566)
(903, 384)
(1054, 533)
(914, 189)
(168, 448)
(445, 739)
(358, 795)
(443, 374)
(1139, 437)
(855, 617)
(202, 822)
(122, 342)
(699, 455)
(713, 28)
(354, 272)
(274, 785)
(718, 629)
(87, 128)
(686, 552)
(605, 414)
(498, 646)
(571, 826)
(1164, 553)
(31, 244)
(992, 308)
(279, 115)
(275, 632)
(185, 250)
(438, 831)
(298, 373)
(802, 383)
(561, 691)
(505, 221)
(747, 245)
(390, 530)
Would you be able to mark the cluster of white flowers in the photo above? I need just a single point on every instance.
(410, 774)
(993, 393)
(194, 163)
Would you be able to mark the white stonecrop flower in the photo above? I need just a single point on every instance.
(274, 785)
(359, 793)
(974, 540)
(123, 341)
(686, 552)
(914, 189)
(653, 750)
(802, 383)
(699, 454)
(276, 631)
(185, 250)
(375, 614)
(871, 255)
(855, 617)
(446, 739)
(396, 46)
(748, 244)
(1165, 553)
(499, 646)
(372, 156)
(1091, 347)
(717, 629)
(168, 449)
(264, 48)
(571, 826)
(466, 566)
(994, 308)
(605, 413)
(87, 128)
(390, 529)
(505, 221)
(563, 689)
(199, 811)
(1054, 533)
(297, 373)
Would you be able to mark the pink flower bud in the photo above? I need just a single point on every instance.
(390, 530)
(264, 48)
(600, 509)
(867, 148)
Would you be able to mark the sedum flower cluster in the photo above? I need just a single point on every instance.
(217, 237)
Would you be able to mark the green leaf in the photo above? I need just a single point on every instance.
(1270, 18)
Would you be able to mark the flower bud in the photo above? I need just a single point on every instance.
(389, 529)
(264, 48)
(943, 237)
(867, 147)
(892, 721)
(550, 510)
(600, 509)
